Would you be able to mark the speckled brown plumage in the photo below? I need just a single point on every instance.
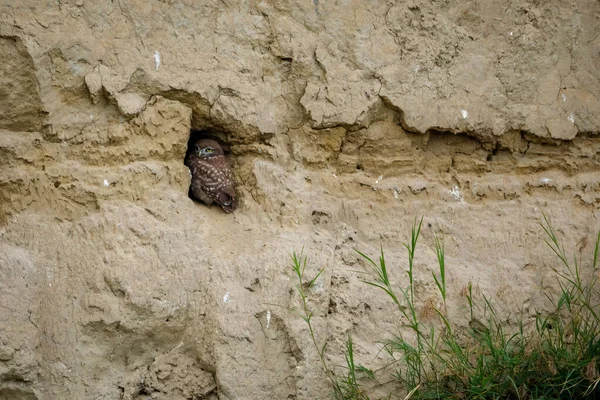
(212, 180)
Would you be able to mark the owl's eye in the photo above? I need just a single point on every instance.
(208, 150)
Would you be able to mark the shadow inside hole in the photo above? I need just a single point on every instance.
(194, 137)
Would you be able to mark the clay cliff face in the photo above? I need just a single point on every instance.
(345, 120)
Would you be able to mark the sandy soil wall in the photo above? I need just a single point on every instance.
(345, 120)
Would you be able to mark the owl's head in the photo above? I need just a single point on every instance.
(205, 148)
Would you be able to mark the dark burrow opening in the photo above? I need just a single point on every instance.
(196, 135)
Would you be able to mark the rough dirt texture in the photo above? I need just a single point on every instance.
(345, 120)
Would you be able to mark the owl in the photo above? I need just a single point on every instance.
(211, 175)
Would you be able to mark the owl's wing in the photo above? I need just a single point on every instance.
(206, 177)
(227, 196)
(215, 179)
(227, 199)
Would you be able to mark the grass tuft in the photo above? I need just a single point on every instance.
(559, 358)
